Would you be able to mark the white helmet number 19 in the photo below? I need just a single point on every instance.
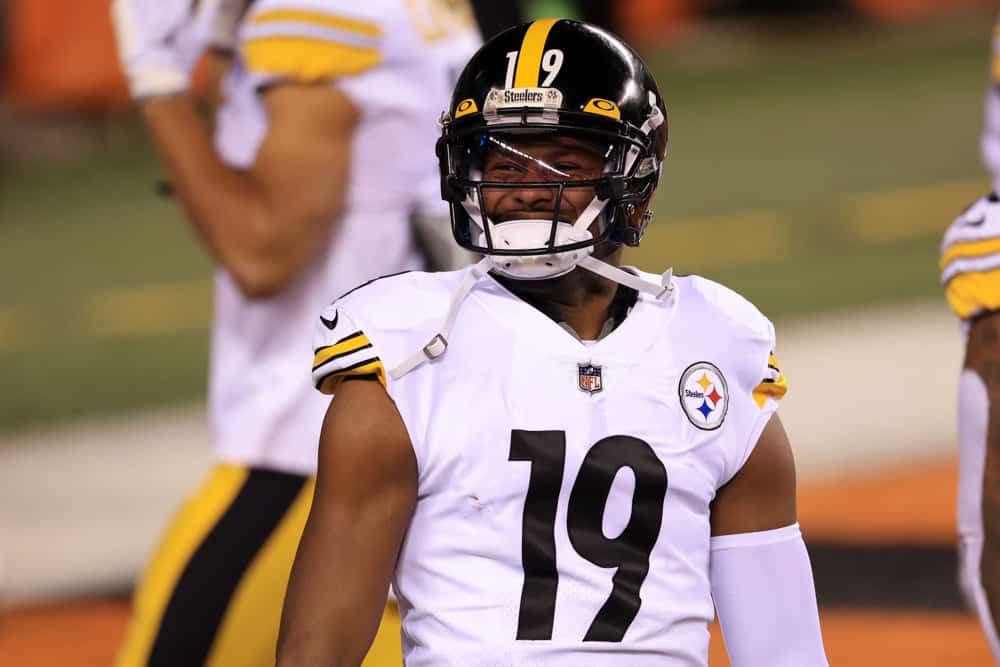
(552, 62)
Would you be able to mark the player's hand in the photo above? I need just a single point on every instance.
(159, 42)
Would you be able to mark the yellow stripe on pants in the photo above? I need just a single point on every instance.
(248, 634)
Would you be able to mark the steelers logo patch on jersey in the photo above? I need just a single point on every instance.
(704, 395)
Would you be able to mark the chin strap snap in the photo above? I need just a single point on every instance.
(439, 343)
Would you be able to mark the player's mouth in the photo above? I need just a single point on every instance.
(506, 216)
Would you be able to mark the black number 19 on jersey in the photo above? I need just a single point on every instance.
(629, 552)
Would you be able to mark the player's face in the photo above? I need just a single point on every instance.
(542, 159)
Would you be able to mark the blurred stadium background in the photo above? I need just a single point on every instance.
(818, 150)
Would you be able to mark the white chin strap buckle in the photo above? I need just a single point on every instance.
(436, 347)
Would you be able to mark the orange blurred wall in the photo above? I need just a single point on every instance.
(62, 55)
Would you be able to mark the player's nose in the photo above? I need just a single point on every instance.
(535, 198)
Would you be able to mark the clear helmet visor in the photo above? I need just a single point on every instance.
(530, 199)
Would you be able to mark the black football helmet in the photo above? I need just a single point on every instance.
(542, 81)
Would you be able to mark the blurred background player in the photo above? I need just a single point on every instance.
(304, 190)
(489, 460)
(970, 265)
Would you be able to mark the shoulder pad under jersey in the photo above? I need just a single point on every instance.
(970, 259)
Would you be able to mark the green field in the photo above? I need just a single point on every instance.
(808, 169)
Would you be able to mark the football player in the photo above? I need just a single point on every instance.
(305, 187)
(554, 459)
(970, 275)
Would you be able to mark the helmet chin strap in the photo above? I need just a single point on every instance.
(439, 343)
(554, 265)
(605, 270)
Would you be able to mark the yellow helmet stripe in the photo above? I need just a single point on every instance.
(529, 60)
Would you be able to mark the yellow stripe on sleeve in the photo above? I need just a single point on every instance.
(969, 249)
(307, 60)
(529, 60)
(350, 344)
(969, 293)
(365, 28)
(776, 390)
(329, 384)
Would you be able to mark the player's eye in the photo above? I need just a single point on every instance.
(568, 167)
(501, 170)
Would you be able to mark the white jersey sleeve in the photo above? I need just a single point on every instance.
(342, 350)
(377, 325)
(743, 342)
(970, 259)
(990, 143)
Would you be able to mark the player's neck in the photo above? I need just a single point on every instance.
(580, 299)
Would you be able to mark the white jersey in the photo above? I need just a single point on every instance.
(396, 60)
(564, 487)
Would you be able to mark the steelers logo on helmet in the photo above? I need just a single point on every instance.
(704, 395)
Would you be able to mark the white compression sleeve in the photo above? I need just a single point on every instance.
(763, 588)
(973, 420)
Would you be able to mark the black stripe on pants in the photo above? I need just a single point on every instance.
(201, 596)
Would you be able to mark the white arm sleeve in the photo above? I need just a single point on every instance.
(763, 588)
(990, 143)
(973, 411)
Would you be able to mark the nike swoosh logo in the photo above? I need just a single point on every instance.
(330, 324)
(974, 223)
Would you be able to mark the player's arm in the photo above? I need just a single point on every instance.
(264, 225)
(979, 399)
(762, 581)
(968, 266)
(366, 489)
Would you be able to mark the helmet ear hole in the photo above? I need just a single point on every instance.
(633, 221)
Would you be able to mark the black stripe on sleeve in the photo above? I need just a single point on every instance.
(198, 604)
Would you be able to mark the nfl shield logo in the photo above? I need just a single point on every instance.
(590, 378)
